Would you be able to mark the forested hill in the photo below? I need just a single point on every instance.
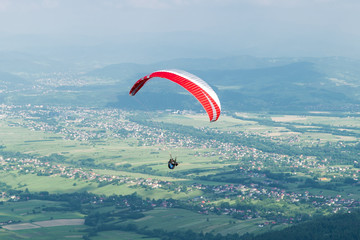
(243, 84)
(336, 227)
(10, 81)
(247, 83)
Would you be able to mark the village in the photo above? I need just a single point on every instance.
(209, 202)
(90, 125)
(240, 200)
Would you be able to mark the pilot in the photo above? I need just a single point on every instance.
(172, 163)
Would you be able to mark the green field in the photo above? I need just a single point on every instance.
(31, 211)
(62, 232)
(115, 235)
(179, 219)
(207, 161)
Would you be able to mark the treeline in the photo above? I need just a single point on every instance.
(83, 201)
(335, 154)
(159, 233)
(83, 163)
(335, 227)
(126, 207)
(239, 176)
(9, 154)
(339, 226)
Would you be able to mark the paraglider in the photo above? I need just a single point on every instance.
(196, 86)
(172, 162)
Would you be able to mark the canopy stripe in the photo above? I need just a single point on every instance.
(196, 86)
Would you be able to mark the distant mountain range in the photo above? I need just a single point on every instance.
(15, 62)
(10, 81)
(247, 83)
(243, 83)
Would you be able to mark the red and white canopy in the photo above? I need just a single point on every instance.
(196, 86)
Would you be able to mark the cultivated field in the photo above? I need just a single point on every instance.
(224, 162)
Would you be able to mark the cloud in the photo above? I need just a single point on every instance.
(152, 4)
(50, 3)
(27, 6)
(290, 3)
(4, 4)
(149, 4)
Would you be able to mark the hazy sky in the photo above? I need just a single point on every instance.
(204, 27)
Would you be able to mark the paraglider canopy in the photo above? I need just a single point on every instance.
(196, 86)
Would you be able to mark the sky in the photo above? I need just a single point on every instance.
(141, 29)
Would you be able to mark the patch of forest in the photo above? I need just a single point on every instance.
(334, 227)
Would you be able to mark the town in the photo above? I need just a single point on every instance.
(258, 184)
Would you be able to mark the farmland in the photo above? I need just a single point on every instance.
(248, 173)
